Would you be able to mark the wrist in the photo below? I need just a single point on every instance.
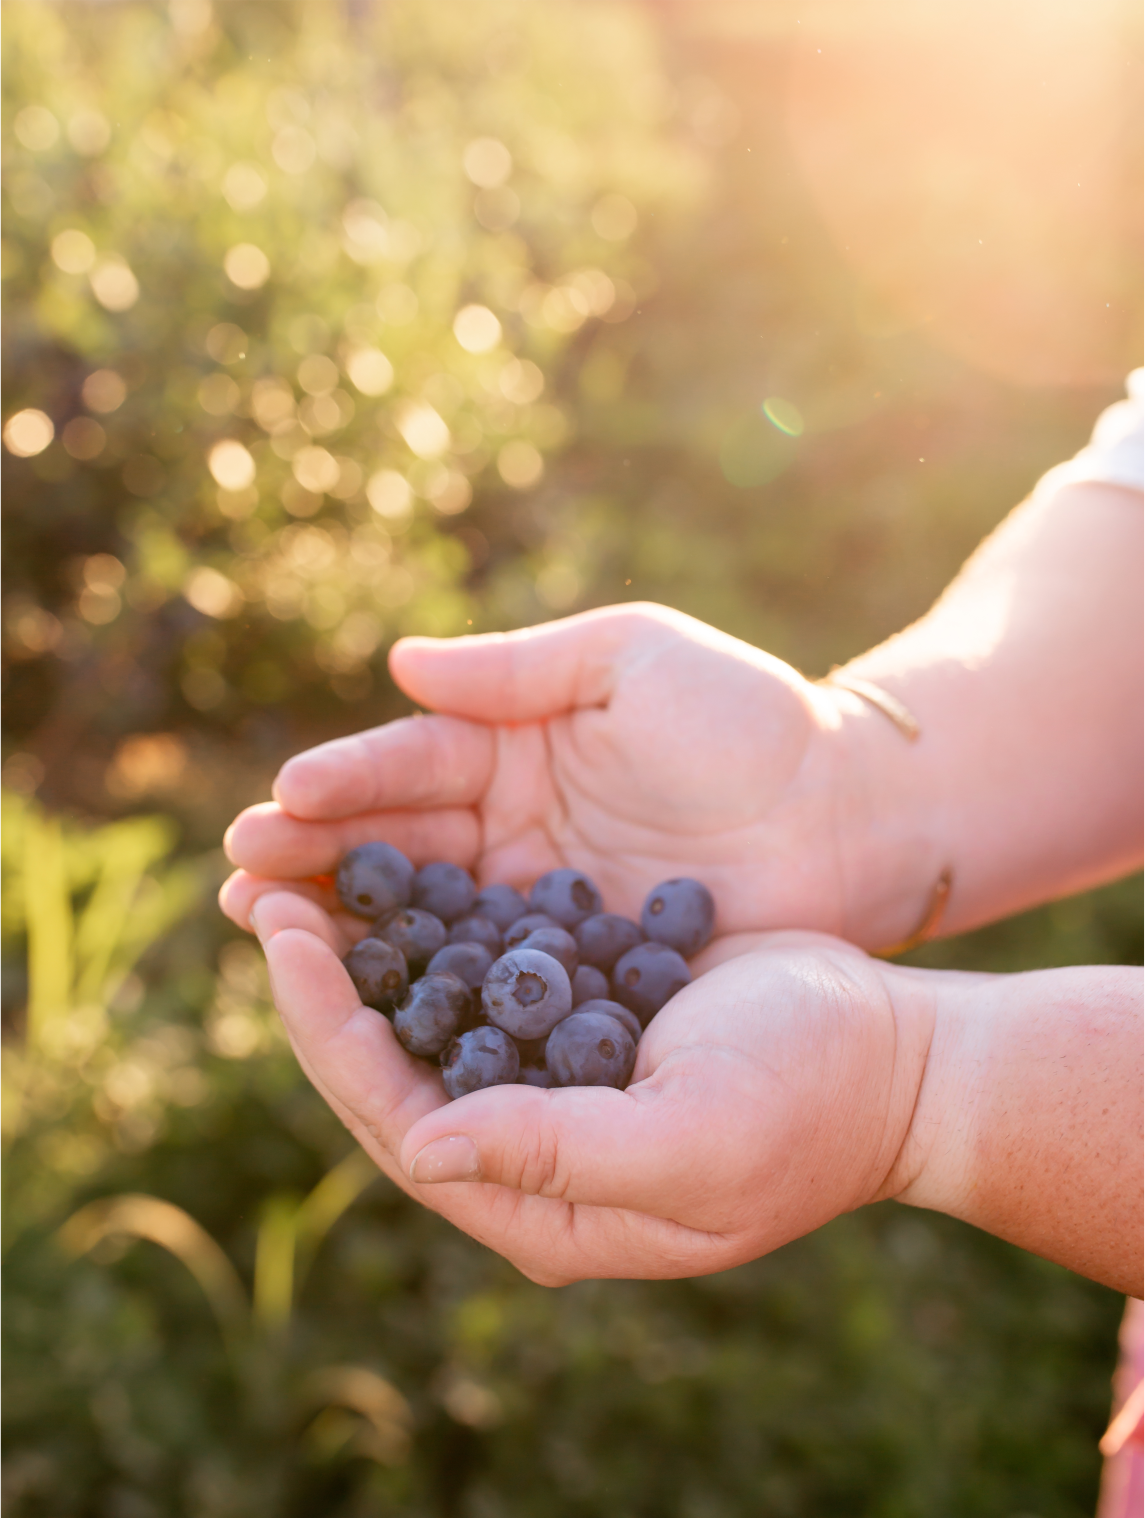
(1027, 1121)
(888, 847)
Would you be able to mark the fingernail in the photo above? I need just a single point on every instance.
(447, 1159)
(252, 917)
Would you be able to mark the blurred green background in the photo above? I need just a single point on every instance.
(328, 322)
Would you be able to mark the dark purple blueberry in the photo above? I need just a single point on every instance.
(501, 903)
(469, 961)
(590, 1049)
(445, 890)
(525, 926)
(680, 913)
(484, 1056)
(555, 941)
(379, 972)
(417, 933)
(647, 977)
(477, 929)
(588, 982)
(604, 938)
(626, 1018)
(374, 879)
(526, 993)
(567, 895)
(434, 1011)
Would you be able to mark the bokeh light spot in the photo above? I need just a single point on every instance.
(317, 374)
(212, 593)
(423, 429)
(247, 267)
(36, 128)
(83, 439)
(226, 343)
(244, 186)
(520, 464)
(73, 252)
(315, 469)
(487, 162)
(390, 494)
(104, 391)
(521, 381)
(114, 284)
(477, 329)
(231, 464)
(370, 371)
(28, 432)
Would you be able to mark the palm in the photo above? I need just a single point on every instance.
(644, 746)
(674, 1176)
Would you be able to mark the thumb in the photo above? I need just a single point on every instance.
(528, 674)
(594, 1146)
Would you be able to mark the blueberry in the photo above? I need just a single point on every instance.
(604, 938)
(679, 913)
(417, 933)
(557, 942)
(622, 1014)
(445, 890)
(525, 926)
(434, 1011)
(567, 895)
(501, 903)
(526, 993)
(477, 929)
(485, 1056)
(647, 977)
(590, 1049)
(374, 879)
(469, 961)
(379, 972)
(588, 982)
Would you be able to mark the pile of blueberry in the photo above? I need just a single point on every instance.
(549, 991)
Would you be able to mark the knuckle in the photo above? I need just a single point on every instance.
(541, 1171)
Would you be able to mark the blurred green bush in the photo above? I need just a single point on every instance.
(347, 320)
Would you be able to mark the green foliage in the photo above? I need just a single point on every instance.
(681, 396)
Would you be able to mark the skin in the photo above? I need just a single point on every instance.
(963, 1093)
(639, 745)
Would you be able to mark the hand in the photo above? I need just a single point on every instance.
(770, 1095)
(634, 743)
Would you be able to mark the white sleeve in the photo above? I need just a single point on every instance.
(1116, 451)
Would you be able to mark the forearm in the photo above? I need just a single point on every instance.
(1028, 1120)
(1025, 679)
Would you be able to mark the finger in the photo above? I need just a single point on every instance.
(350, 1051)
(554, 1243)
(529, 674)
(242, 890)
(590, 1145)
(281, 909)
(270, 843)
(422, 762)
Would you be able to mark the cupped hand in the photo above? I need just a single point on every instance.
(633, 743)
(771, 1094)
